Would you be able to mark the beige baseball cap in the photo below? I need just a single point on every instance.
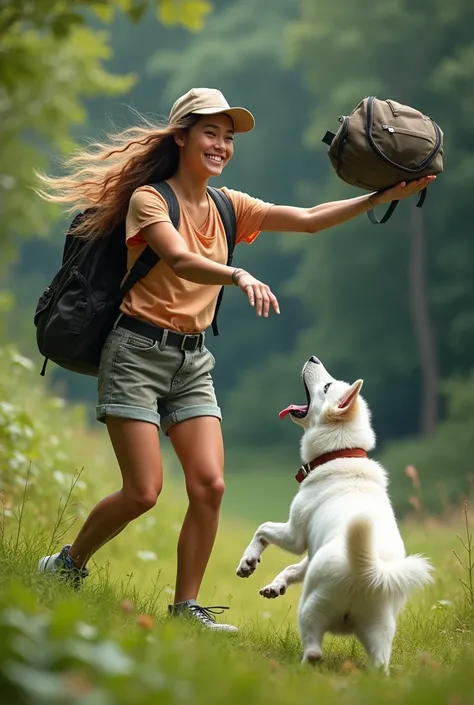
(210, 101)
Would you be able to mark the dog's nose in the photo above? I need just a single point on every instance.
(314, 359)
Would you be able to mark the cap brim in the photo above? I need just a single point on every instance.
(243, 120)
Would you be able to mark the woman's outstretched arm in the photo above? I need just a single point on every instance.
(327, 215)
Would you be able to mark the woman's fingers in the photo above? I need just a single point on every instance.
(266, 300)
(269, 300)
(414, 186)
(404, 189)
(258, 300)
(260, 296)
(251, 295)
(274, 301)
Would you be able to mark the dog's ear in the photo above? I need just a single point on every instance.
(346, 404)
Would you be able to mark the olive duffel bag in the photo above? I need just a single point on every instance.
(382, 143)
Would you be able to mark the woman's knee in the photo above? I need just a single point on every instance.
(206, 489)
(137, 447)
(141, 500)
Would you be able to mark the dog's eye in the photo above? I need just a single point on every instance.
(326, 387)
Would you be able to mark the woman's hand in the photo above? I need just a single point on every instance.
(259, 294)
(401, 190)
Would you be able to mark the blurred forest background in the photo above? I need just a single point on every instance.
(392, 304)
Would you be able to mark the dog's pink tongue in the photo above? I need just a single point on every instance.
(292, 407)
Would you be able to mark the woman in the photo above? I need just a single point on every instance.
(148, 379)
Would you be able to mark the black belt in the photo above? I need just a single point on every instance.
(185, 341)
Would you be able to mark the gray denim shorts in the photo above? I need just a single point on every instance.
(142, 379)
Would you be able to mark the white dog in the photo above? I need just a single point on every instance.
(356, 575)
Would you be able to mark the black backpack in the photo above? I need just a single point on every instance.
(76, 312)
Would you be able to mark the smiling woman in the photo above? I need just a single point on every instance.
(155, 370)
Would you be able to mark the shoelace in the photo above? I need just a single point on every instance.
(206, 614)
(78, 573)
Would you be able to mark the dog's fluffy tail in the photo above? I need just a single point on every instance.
(394, 577)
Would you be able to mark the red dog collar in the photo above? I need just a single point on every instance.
(326, 457)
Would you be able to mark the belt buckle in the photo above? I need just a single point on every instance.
(185, 337)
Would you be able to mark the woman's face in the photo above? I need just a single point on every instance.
(208, 146)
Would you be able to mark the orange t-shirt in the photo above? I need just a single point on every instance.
(163, 298)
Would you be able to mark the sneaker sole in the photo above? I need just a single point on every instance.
(43, 565)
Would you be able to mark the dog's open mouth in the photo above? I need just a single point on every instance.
(299, 411)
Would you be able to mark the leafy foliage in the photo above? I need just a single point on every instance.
(244, 58)
(353, 283)
(345, 294)
(379, 53)
(52, 60)
(444, 462)
(112, 643)
(35, 438)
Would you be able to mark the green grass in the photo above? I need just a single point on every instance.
(113, 643)
(85, 648)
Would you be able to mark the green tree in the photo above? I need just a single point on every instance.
(56, 62)
(51, 60)
(376, 49)
(268, 162)
(355, 281)
(240, 52)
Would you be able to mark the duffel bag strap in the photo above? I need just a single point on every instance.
(422, 198)
(390, 210)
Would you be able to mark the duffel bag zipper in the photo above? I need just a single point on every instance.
(344, 120)
(404, 131)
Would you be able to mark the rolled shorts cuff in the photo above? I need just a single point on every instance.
(138, 413)
(190, 412)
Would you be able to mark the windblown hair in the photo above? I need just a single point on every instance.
(104, 176)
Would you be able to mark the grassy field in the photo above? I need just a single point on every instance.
(114, 643)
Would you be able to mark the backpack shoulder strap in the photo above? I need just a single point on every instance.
(149, 258)
(227, 213)
(165, 190)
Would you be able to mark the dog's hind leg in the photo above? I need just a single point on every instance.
(289, 536)
(292, 574)
(377, 635)
(314, 617)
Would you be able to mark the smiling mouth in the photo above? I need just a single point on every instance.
(215, 158)
(298, 411)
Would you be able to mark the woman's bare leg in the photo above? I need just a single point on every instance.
(137, 448)
(199, 447)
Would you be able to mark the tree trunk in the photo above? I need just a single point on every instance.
(422, 323)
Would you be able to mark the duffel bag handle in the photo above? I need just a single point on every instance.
(390, 210)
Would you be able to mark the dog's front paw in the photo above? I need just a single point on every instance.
(247, 566)
(273, 590)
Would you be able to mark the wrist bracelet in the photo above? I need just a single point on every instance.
(373, 196)
(234, 273)
(372, 205)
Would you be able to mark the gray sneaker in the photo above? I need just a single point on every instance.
(204, 615)
(62, 564)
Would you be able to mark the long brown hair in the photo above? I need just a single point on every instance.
(104, 176)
